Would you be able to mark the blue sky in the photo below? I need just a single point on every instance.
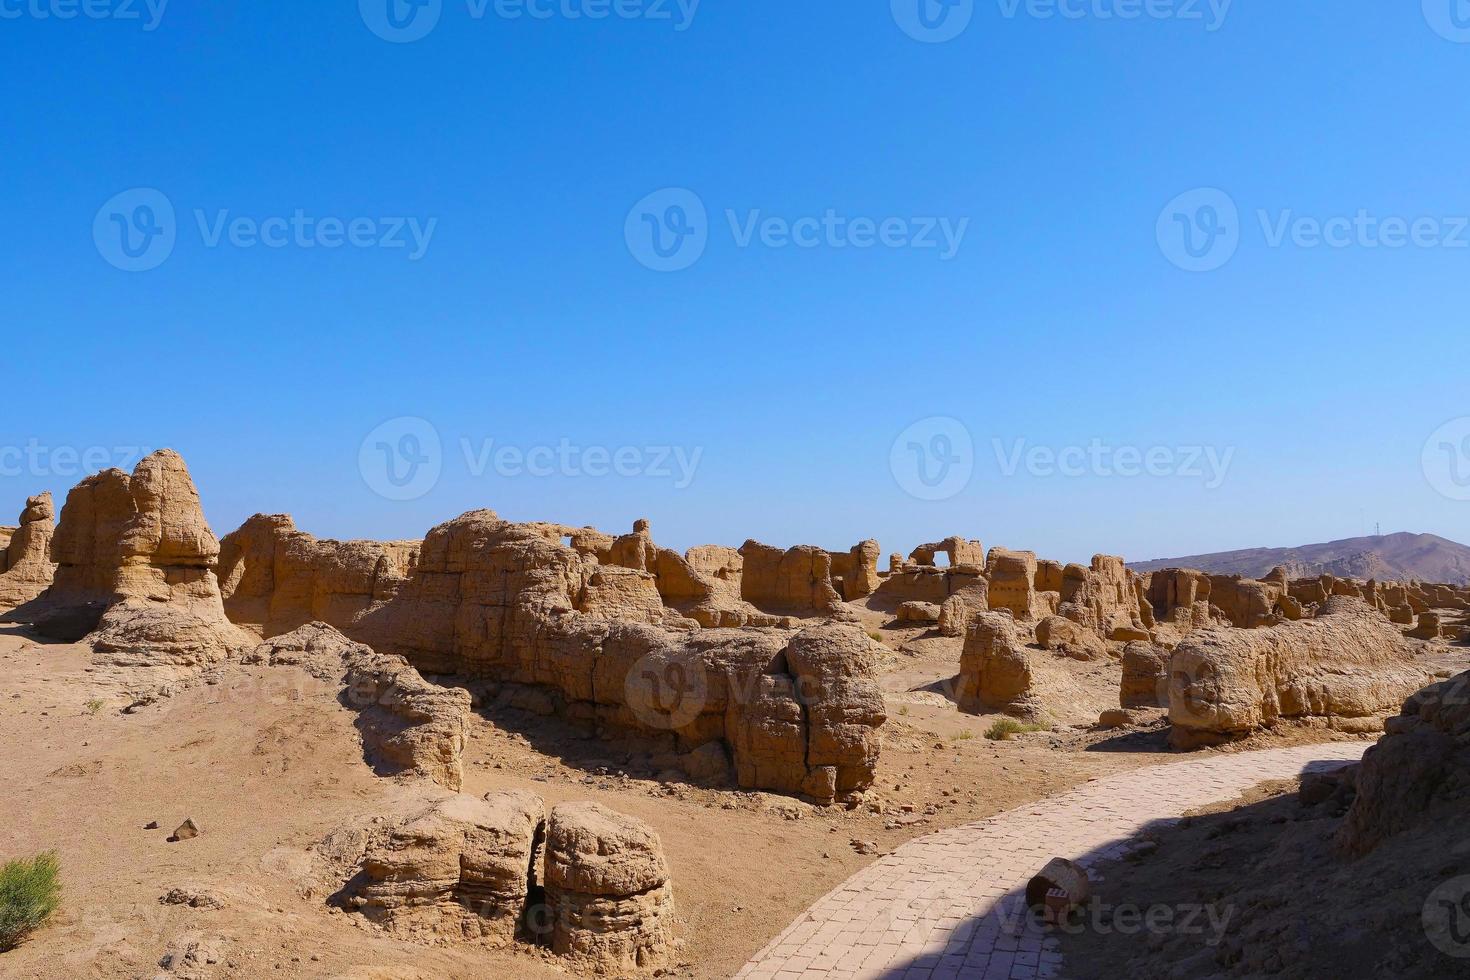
(1050, 146)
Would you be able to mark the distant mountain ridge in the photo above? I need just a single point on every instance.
(1388, 557)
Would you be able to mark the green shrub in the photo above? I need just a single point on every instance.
(29, 893)
(1005, 728)
(94, 706)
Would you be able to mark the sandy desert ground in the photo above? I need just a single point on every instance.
(267, 762)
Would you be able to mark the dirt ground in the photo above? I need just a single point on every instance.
(1275, 899)
(267, 762)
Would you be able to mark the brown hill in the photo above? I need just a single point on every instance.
(1388, 557)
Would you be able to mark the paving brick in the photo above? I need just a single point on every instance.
(950, 905)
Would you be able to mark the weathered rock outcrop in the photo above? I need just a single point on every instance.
(453, 868)
(963, 605)
(855, 572)
(1247, 603)
(1012, 577)
(1145, 676)
(959, 552)
(1065, 636)
(1180, 597)
(26, 569)
(1418, 772)
(592, 884)
(796, 580)
(609, 901)
(86, 548)
(704, 585)
(275, 578)
(910, 582)
(1348, 666)
(1103, 598)
(1430, 626)
(407, 725)
(917, 612)
(995, 669)
(494, 601)
(135, 563)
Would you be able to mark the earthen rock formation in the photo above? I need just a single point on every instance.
(1012, 578)
(1418, 772)
(275, 578)
(965, 602)
(797, 580)
(135, 562)
(917, 612)
(1145, 676)
(26, 569)
(457, 867)
(590, 883)
(489, 600)
(995, 668)
(407, 724)
(1063, 635)
(609, 901)
(1347, 666)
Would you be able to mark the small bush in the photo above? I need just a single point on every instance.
(29, 893)
(1004, 729)
(875, 635)
(964, 736)
(94, 706)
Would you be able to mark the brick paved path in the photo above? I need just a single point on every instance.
(950, 905)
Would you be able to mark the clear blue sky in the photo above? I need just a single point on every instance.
(529, 320)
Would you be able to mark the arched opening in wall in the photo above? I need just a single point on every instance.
(942, 559)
